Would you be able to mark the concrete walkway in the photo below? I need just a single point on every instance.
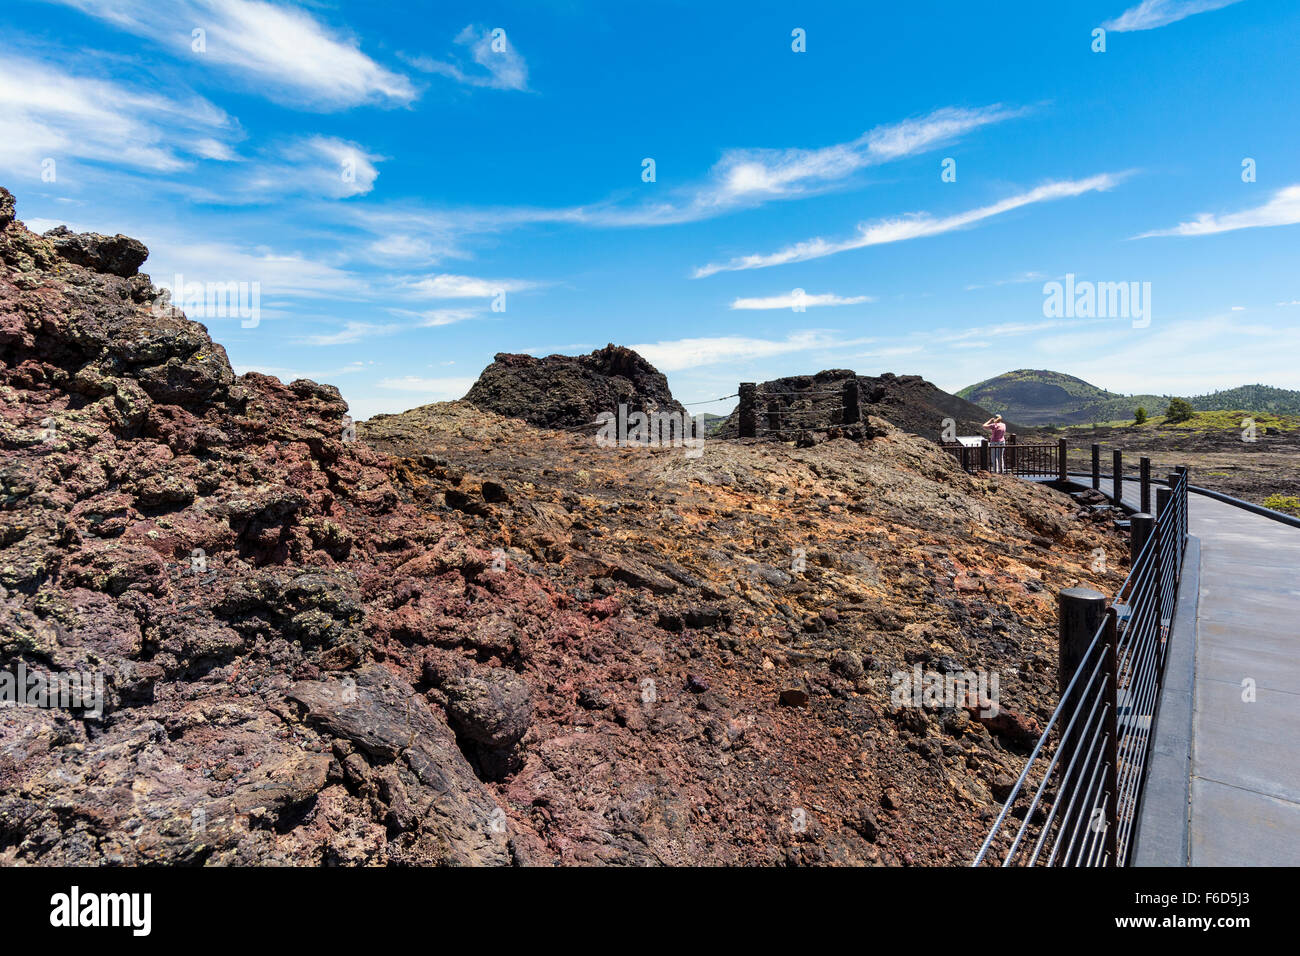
(1244, 766)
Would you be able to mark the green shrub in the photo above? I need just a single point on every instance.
(1140, 416)
(1179, 410)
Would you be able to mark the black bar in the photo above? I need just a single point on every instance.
(1112, 739)
(1117, 476)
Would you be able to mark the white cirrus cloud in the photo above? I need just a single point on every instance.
(316, 166)
(679, 354)
(356, 331)
(1150, 14)
(445, 388)
(741, 179)
(435, 318)
(47, 112)
(749, 177)
(448, 286)
(498, 65)
(351, 332)
(1282, 209)
(914, 226)
(798, 298)
(1024, 277)
(279, 50)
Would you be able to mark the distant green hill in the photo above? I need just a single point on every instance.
(1042, 397)
(1252, 398)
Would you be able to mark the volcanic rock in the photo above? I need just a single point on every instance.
(119, 255)
(814, 403)
(313, 653)
(569, 390)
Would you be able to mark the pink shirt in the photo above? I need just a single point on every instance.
(998, 431)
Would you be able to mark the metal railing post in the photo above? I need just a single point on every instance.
(1009, 454)
(1096, 467)
(1166, 534)
(1117, 476)
(1062, 468)
(1146, 483)
(1080, 612)
(1175, 498)
(1182, 541)
(984, 454)
(1163, 500)
(1112, 737)
(1140, 528)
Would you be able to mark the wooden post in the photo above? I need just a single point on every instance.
(1111, 724)
(1009, 455)
(1062, 469)
(1096, 467)
(1080, 615)
(984, 454)
(1117, 476)
(852, 410)
(748, 423)
(1145, 464)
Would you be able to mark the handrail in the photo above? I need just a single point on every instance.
(1083, 813)
(1027, 459)
(1227, 499)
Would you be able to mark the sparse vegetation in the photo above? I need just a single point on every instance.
(1287, 504)
(1140, 416)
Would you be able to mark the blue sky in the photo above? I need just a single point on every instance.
(387, 173)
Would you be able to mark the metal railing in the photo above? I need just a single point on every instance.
(1028, 460)
(1077, 799)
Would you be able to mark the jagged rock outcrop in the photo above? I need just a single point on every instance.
(219, 556)
(568, 390)
(908, 402)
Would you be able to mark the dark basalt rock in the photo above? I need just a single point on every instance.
(6, 207)
(569, 390)
(908, 402)
(118, 255)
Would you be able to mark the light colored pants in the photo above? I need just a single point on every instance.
(997, 448)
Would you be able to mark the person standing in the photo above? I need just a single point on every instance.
(997, 443)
